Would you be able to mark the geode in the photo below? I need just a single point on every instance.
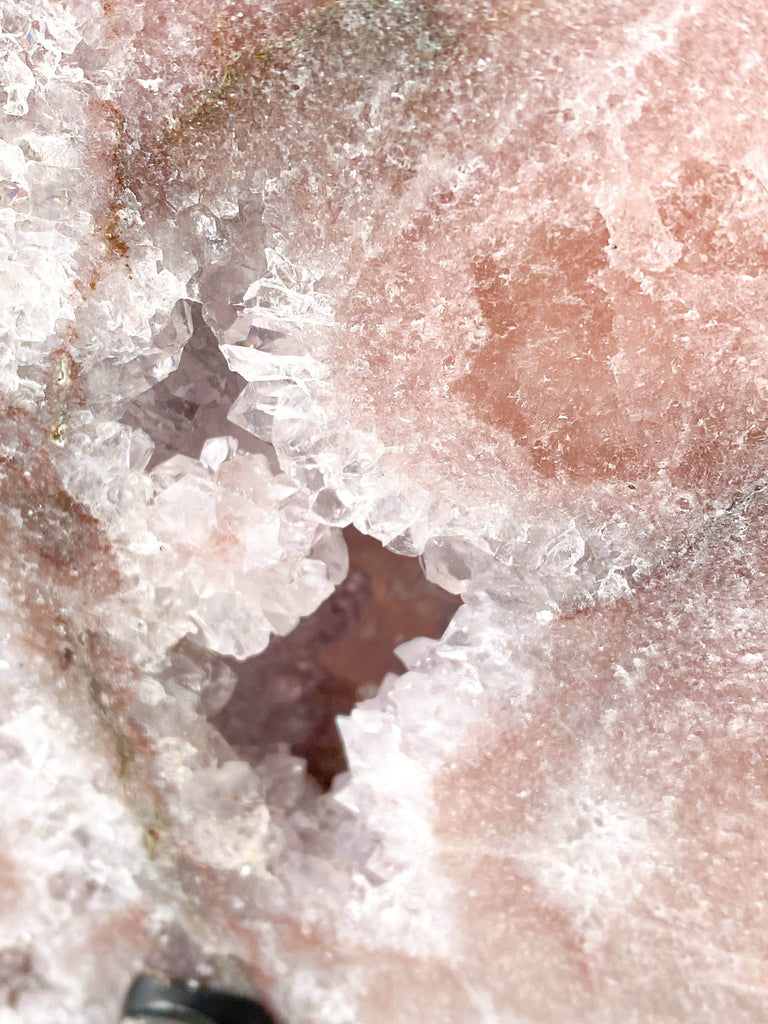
(284, 281)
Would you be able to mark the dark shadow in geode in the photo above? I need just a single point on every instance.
(288, 696)
(181, 412)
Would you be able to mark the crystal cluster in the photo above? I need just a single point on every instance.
(485, 282)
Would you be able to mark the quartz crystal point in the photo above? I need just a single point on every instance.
(488, 281)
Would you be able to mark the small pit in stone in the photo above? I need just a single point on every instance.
(288, 697)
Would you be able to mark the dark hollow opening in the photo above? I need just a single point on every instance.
(289, 695)
(287, 698)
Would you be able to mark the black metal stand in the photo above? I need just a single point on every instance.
(153, 996)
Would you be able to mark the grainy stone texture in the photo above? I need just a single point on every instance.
(485, 282)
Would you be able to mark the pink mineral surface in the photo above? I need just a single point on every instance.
(485, 283)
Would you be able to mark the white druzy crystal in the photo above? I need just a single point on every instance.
(488, 282)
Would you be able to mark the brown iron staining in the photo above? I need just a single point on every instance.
(234, 56)
(223, 109)
(107, 142)
(61, 571)
(211, 109)
(110, 234)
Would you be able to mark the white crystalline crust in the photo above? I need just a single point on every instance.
(220, 546)
(556, 813)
